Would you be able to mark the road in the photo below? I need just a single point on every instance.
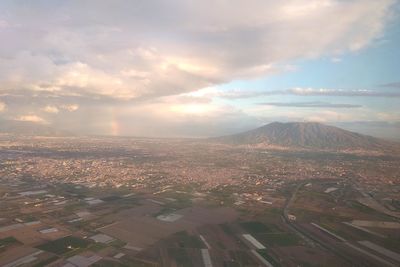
(341, 249)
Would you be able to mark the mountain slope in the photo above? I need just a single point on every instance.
(306, 135)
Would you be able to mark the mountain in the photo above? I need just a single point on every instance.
(29, 128)
(307, 135)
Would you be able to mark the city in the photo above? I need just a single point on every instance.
(158, 202)
(199, 133)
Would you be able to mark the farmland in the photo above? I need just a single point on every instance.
(151, 205)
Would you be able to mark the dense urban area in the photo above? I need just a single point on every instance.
(75, 201)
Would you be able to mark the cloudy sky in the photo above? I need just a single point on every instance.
(200, 68)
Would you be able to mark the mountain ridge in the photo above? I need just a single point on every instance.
(312, 135)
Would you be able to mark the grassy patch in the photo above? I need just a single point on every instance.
(64, 245)
(224, 195)
(164, 210)
(367, 210)
(29, 218)
(46, 262)
(231, 264)
(188, 241)
(8, 241)
(317, 217)
(97, 246)
(227, 230)
(72, 207)
(220, 245)
(360, 207)
(181, 201)
(108, 263)
(279, 239)
(181, 258)
(265, 255)
(274, 210)
(117, 243)
(255, 227)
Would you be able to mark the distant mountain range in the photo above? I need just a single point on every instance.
(29, 128)
(301, 135)
(309, 135)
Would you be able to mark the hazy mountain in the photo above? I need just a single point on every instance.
(29, 128)
(307, 135)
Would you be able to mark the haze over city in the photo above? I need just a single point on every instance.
(200, 68)
(198, 133)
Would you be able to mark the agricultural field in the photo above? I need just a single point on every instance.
(64, 245)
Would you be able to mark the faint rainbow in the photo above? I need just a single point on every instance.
(114, 124)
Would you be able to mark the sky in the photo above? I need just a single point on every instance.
(198, 68)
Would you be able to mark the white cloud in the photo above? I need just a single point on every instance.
(339, 92)
(174, 119)
(134, 50)
(152, 65)
(70, 108)
(55, 110)
(3, 106)
(336, 60)
(51, 109)
(299, 91)
(326, 116)
(31, 118)
(323, 115)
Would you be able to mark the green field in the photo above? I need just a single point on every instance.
(181, 257)
(7, 242)
(278, 239)
(45, 262)
(188, 241)
(225, 227)
(117, 243)
(108, 263)
(97, 246)
(263, 252)
(64, 245)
